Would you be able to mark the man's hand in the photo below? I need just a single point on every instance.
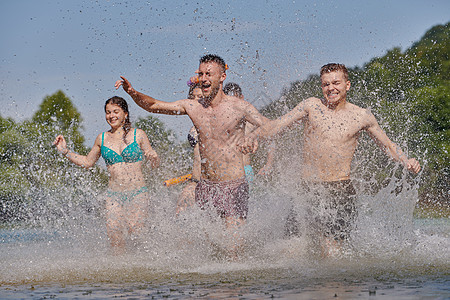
(248, 145)
(413, 165)
(125, 84)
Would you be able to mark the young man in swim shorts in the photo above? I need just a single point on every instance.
(220, 122)
(332, 127)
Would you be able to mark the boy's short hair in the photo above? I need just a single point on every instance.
(333, 67)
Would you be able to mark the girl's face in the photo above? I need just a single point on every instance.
(115, 116)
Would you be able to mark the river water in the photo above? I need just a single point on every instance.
(391, 255)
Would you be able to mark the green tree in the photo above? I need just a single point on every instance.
(57, 114)
(176, 159)
(431, 136)
(298, 91)
(37, 182)
(161, 138)
(13, 181)
(432, 52)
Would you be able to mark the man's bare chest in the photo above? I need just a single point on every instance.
(218, 124)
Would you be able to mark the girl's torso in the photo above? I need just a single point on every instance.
(124, 166)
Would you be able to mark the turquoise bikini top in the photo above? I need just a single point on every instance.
(132, 153)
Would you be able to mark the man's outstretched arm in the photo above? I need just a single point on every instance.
(388, 146)
(149, 103)
(273, 127)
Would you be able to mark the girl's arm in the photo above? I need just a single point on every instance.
(150, 154)
(85, 161)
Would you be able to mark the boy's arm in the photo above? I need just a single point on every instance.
(272, 127)
(388, 146)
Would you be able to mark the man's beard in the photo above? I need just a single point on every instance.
(213, 94)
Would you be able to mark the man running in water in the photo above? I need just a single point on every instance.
(332, 127)
(220, 122)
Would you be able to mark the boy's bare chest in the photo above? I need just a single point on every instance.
(332, 126)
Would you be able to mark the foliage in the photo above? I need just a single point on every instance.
(31, 171)
(298, 91)
(162, 139)
(176, 159)
(57, 115)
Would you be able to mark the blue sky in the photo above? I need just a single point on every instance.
(82, 47)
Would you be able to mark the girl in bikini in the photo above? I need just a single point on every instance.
(124, 150)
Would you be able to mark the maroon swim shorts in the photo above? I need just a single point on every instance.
(229, 198)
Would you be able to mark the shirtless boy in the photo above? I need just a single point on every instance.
(331, 130)
(220, 122)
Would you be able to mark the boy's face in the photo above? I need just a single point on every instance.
(335, 87)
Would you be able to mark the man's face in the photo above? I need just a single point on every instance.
(335, 87)
(211, 77)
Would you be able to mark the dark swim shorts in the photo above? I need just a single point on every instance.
(229, 198)
(333, 208)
